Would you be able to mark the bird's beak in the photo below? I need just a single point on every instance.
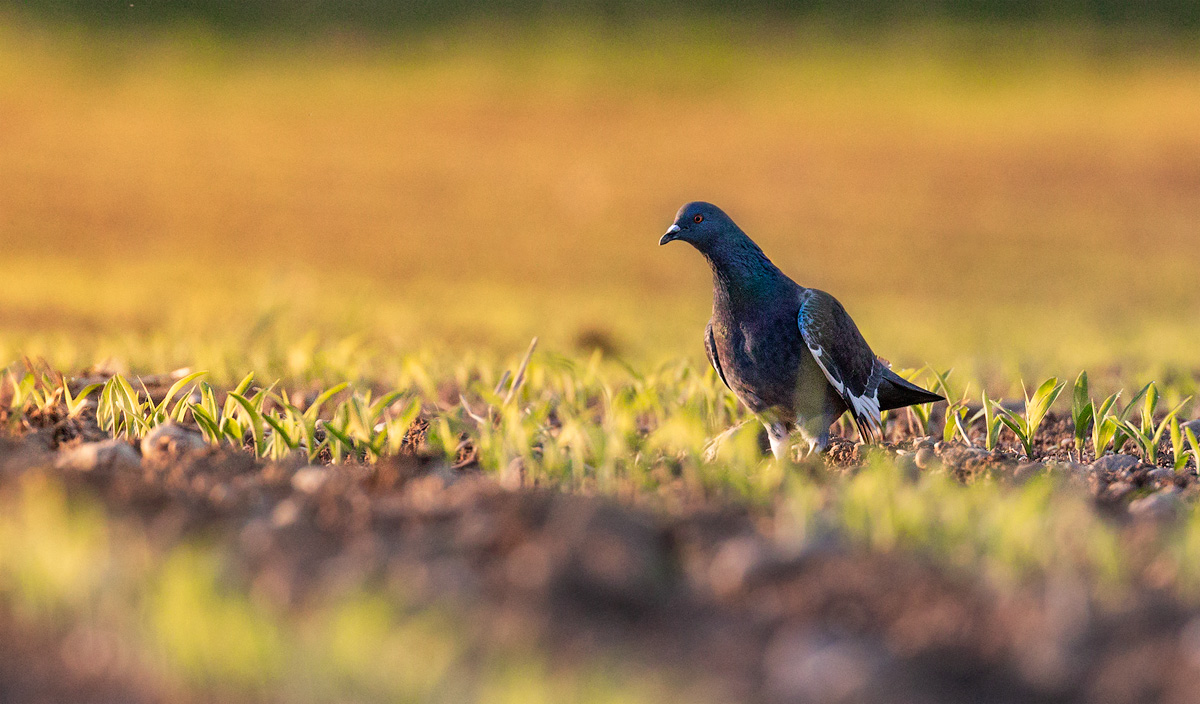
(672, 234)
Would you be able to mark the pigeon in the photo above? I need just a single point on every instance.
(790, 354)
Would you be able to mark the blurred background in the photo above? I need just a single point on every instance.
(314, 189)
(993, 185)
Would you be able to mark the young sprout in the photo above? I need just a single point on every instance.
(1082, 413)
(991, 422)
(208, 415)
(1179, 450)
(1025, 426)
(922, 411)
(252, 417)
(1104, 424)
(21, 391)
(956, 411)
(520, 378)
(159, 414)
(1120, 435)
(76, 404)
(281, 441)
(1194, 446)
(121, 411)
(1148, 434)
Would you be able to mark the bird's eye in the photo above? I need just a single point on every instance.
(698, 218)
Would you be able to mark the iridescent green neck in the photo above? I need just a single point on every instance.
(741, 271)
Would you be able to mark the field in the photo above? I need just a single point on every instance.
(272, 429)
(947, 185)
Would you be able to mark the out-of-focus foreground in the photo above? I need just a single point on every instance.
(560, 533)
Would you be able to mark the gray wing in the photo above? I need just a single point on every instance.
(844, 356)
(710, 348)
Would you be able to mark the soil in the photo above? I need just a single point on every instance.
(703, 590)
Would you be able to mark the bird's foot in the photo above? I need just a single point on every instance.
(817, 443)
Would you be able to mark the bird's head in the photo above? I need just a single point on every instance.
(702, 225)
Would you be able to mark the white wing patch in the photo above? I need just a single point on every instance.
(866, 413)
(864, 408)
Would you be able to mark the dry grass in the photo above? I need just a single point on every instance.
(971, 197)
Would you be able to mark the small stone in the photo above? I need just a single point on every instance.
(1162, 475)
(1192, 425)
(1074, 468)
(1116, 463)
(105, 456)
(925, 456)
(169, 441)
(309, 480)
(1078, 474)
(1161, 505)
(957, 456)
(1118, 490)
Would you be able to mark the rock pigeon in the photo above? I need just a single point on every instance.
(791, 354)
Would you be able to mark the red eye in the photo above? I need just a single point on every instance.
(698, 218)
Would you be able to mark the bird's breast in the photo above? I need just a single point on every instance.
(761, 360)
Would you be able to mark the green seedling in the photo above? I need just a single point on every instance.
(280, 440)
(230, 422)
(306, 422)
(121, 411)
(160, 413)
(991, 423)
(519, 379)
(41, 390)
(251, 417)
(76, 403)
(1179, 448)
(208, 415)
(1025, 426)
(22, 391)
(1082, 413)
(1148, 434)
(360, 427)
(1104, 424)
(920, 412)
(1193, 446)
(956, 411)
(1121, 435)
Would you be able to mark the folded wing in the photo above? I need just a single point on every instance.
(845, 357)
(710, 348)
